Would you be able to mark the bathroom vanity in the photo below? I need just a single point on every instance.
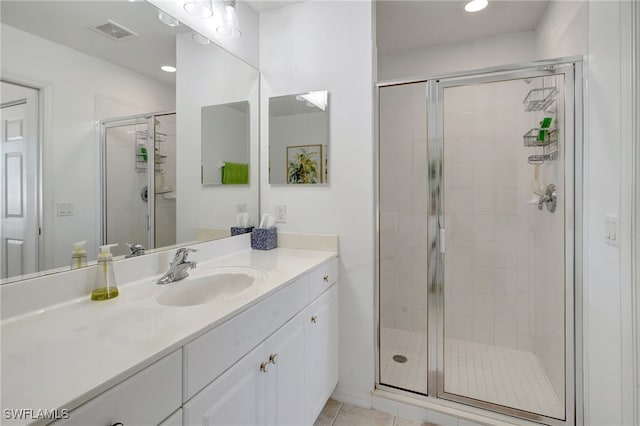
(266, 354)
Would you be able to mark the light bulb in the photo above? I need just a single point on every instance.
(229, 27)
(199, 8)
(476, 5)
(168, 68)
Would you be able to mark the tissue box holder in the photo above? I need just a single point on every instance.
(238, 230)
(264, 238)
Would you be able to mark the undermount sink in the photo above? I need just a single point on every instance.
(219, 283)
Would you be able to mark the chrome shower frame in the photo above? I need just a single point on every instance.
(573, 172)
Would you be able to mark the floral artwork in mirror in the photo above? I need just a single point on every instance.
(304, 164)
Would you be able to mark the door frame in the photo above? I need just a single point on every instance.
(574, 368)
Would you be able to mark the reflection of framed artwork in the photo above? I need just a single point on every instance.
(304, 164)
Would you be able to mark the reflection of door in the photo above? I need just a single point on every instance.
(19, 180)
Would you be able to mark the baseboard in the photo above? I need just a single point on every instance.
(359, 399)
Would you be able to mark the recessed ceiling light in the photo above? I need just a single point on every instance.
(168, 68)
(476, 5)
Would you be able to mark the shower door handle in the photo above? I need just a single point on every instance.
(442, 246)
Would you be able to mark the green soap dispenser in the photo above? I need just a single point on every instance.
(105, 287)
(79, 255)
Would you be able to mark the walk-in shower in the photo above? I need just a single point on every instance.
(138, 173)
(477, 204)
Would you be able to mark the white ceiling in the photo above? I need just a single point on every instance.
(68, 23)
(402, 25)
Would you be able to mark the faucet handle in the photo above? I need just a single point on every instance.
(182, 253)
(136, 249)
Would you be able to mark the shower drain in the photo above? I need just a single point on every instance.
(400, 359)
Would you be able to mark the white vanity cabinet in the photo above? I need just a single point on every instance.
(146, 398)
(273, 364)
(288, 377)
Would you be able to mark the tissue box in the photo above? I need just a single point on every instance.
(264, 238)
(238, 230)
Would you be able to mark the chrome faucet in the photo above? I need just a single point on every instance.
(179, 268)
(137, 249)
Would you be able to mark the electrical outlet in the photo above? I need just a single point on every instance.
(281, 213)
(241, 208)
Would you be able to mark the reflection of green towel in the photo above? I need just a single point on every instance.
(235, 173)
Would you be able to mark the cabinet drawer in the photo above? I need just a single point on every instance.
(321, 278)
(211, 354)
(146, 398)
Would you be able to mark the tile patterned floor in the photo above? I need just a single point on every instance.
(411, 375)
(489, 373)
(500, 375)
(336, 413)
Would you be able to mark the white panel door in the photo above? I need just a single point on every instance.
(321, 337)
(285, 378)
(233, 399)
(19, 180)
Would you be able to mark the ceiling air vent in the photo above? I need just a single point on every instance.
(114, 31)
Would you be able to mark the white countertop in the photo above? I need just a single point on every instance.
(62, 356)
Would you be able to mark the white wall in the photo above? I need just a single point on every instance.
(562, 30)
(225, 139)
(78, 90)
(245, 46)
(604, 299)
(459, 56)
(319, 45)
(204, 79)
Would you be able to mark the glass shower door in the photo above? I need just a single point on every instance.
(403, 180)
(505, 212)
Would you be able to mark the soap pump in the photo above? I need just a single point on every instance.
(79, 255)
(105, 286)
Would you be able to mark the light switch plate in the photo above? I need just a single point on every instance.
(65, 208)
(241, 208)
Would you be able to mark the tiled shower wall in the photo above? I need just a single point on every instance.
(403, 207)
(126, 214)
(489, 289)
(548, 272)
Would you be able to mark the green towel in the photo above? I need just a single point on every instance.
(235, 173)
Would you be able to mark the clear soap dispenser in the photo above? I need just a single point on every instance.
(105, 286)
(79, 255)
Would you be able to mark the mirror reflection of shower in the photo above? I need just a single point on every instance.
(138, 166)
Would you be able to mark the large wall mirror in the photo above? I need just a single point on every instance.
(102, 124)
(299, 138)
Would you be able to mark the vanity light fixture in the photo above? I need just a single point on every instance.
(200, 39)
(199, 8)
(229, 26)
(168, 19)
(168, 68)
(476, 5)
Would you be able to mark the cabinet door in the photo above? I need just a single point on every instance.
(145, 398)
(321, 348)
(285, 378)
(234, 398)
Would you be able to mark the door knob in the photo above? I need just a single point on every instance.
(264, 367)
(314, 319)
(273, 358)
